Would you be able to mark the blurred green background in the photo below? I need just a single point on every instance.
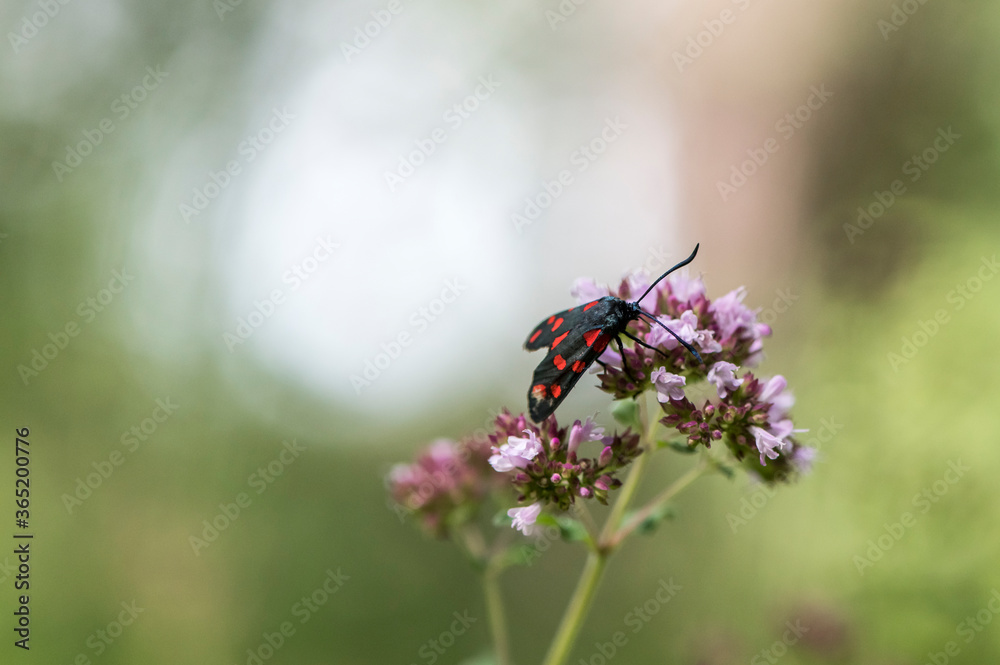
(892, 419)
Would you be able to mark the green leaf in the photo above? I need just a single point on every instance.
(727, 471)
(649, 524)
(570, 529)
(501, 518)
(682, 448)
(486, 658)
(626, 412)
(546, 519)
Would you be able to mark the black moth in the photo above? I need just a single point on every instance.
(576, 337)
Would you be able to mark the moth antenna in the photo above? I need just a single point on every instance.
(687, 346)
(679, 265)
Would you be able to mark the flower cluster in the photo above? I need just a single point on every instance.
(546, 464)
(446, 484)
(716, 400)
(750, 415)
(721, 330)
(543, 464)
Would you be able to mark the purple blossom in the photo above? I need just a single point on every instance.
(585, 290)
(767, 444)
(783, 429)
(772, 388)
(524, 518)
(668, 386)
(638, 282)
(803, 459)
(551, 473)
(781, 400)
(516, 453)
(731, 314)
(686, 288)
(609, 357)
(723, 376)
(402, 474)
(443, 452)
(578, 433)
(439, 470)
(687, 329)
(445, 480)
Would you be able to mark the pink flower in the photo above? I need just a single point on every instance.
(723, 376)
(516, 453)
(685, 288)
(767, 444)
(585, 290)
(686, 328)
(668, 386)
(803, 458)
(731, 314)
(780, 399)
(638, 282)
(444, 480)
(578, 433)
(524, 518)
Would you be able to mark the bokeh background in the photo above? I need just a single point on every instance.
(215, 152)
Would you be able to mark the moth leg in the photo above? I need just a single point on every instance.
(621, 350)
(642, 343)
(652, 319)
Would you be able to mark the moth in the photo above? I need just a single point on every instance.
(577, 336)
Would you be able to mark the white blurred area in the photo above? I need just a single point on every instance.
(555, 86)
(400, 248)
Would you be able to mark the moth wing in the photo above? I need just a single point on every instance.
(562, 367)
(558, 325)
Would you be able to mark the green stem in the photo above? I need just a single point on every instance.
(581, 513)
(495, 614)
(583, 596)
(572, 620)
(635, 475)
(654, 505)
(624, 498)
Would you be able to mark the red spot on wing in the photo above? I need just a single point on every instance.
(556, 324)
(551, 319)
(591, 335)
(559, 362)
(579, 366)
(556, 391)
(556, 341)
(602, 342)
(538, 391)
(535, 336)
(589, 305)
